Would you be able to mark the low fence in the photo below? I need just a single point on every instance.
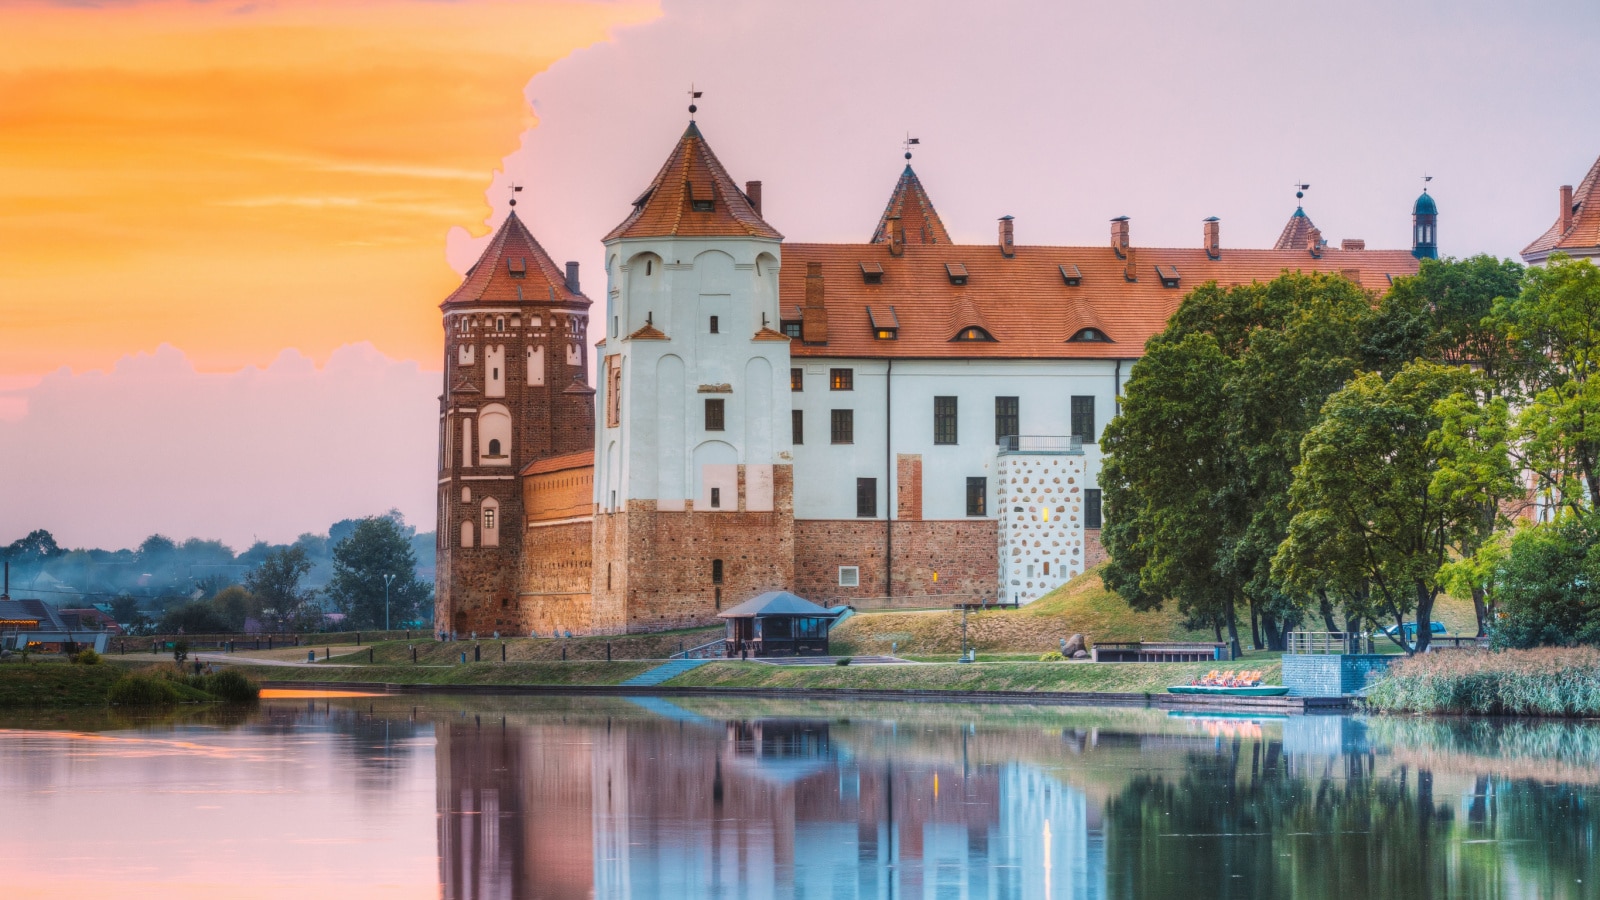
(160, 643)
(916, 601)
(1160, 651)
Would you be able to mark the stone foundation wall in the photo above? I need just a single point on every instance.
(1094, 552)
(556, 580)
(961, 551)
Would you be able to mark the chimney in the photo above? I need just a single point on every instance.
(1130, 270)
(1007, 248)
(1119, 236)
(1213, 235)
(897, 238)
(752, 189)
(1566, 208)
(572, 278)
(1352, 244)
(814, 317)
(1314, 243)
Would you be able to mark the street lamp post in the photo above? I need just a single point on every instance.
(386, 579)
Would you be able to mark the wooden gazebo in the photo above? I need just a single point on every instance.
(778, 623)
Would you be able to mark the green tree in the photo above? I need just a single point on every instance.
(1556, 323)
(234, 606)
(199, 617)
(1197, 511)
(1371, 510)
(276, 585)
(1547, 582)
(376, 548)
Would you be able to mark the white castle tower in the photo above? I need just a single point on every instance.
(693, 485)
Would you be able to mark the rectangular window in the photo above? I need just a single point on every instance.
(849, 576)
(1083, 419)
(866, 498)
(1091, 508)
(841, 379)
(797, 380)
(791, 330)
(977, 496)
(797, 426)
(613, 391)
(1007, 416)
(716, 498)
(844, 426)
(714, 325)
(716, 571)
(714, 409)
(944, 420)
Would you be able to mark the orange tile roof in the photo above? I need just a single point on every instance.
(581, 460)
(1584, 232)
(1296, 232)
(1024, 302)
(692, 172)
(918, 220)
(514, 269)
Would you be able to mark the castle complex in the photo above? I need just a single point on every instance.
(904, 420)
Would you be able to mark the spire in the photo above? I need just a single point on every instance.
(1425, 224)
(514, 267)
(693, 196)
(1299, 227)
(910, 204)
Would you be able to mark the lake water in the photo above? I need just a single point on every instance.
(503, 797)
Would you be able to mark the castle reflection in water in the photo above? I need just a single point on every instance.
(679, 804)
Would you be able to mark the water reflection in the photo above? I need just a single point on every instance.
(580, 797)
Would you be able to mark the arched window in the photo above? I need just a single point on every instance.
(494, 446)
(494, 435)
(1090, 334)
(973, 333)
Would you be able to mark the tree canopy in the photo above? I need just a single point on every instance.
(377, 548)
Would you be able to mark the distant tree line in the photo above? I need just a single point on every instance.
(1294, 454)
(201, 586)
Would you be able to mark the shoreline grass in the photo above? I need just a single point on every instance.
(1549, 681)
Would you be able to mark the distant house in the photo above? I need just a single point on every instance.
(91, 619)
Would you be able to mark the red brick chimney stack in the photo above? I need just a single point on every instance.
(1119, 236)
(1007, 248)
(1314, 243)
(752, 189)
(1566, 208)
(814, 317)
(1213, 237)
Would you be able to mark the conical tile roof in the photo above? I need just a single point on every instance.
(691, 176)
(1584, 232)
(514, 269)
(918, 219)
(1296, 233)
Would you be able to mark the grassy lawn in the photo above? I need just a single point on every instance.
(541, 673)
(991, 676)
(52, 683)
(1082, 605)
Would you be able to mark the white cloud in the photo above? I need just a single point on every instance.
(107, 458)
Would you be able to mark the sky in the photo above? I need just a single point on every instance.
(225, 227)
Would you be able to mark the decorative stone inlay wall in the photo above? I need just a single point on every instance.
(1040, 506)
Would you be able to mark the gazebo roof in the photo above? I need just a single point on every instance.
(776, 603)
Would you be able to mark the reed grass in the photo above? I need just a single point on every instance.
(1548, 681)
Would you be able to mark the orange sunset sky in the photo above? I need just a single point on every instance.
(237, 178)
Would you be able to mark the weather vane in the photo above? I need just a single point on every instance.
(1425, 179)
(1300, 190)
(515, 189)
(693, 96)
(908, 143)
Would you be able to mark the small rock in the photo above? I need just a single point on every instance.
(1081, 654)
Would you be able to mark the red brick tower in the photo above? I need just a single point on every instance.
(515, 392)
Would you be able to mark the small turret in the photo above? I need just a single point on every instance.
(1425, 227)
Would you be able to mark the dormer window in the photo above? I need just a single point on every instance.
(791, 330)
(1168, 276)
(974, 333)
(957, 273)
(885, 324)
(517, 266)
(872, 273)
(1071, 274)
(702, 206)
(1089, 335)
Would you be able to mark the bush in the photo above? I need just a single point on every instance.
(1542, 682)
(230, 687)
(1546, 593)
(143, 690)
(85, 657)
(842, 661)
(1053, 656)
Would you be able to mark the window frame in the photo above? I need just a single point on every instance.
(1093, 508)
(1083, 420)
(716, 498)
(797, 427)
(716, 414)
(797, 379)
(841, 379)
(866, 498)
(978, 488)
(855, 576)
(946, 420)
(1003, 417)
(842, 426)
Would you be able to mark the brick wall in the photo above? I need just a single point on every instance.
(908, 486)
(556, 580)
(563, 494)
(661, 563)
(961, 551)
(1094, 552)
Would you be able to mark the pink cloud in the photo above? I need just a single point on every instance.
(107, 458)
